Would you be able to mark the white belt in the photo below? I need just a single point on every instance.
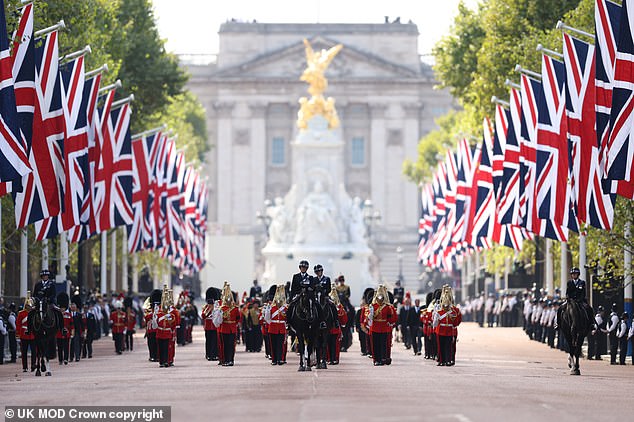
(446, 325)
(279, 322)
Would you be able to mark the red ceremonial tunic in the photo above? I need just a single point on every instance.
(22, 326)
(383, 318)
(447, 321)
(166, 324)
(342, 316)
(278, 320)
(131, 319)
(118, 320)
(264, 326)
(68, 325)
(230, 319)
(206, 317)
(148, 322)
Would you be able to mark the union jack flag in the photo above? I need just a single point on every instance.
(75, 105)
(464, 178)
(113, 171)
(42, 189)
(23, 71)
(509, 195)
(592, 205)
(528, 144)
(172, 197)
(14, 161)
(144, 151)
(551, 169)
(502, 117)
(155, 216)
(607, 26)
(619, 151)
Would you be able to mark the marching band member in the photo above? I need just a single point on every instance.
(177, 323)
(27, 339)
(166, 324)
(150, 309)
(381, 318)
(118, 323)
(130, 323)
(212, 295)
(445, 322)
(275, 317)
(226, 318)
(63, 337)
(335, 334)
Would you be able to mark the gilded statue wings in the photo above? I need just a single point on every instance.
(323, 58)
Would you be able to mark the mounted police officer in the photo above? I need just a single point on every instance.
(312, 285)
(45, 288)
(576, 290)
(322, 284)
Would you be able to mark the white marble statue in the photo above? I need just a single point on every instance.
(317, 218)
(281, 222)
(356, 225)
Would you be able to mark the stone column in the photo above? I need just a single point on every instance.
(224, 111)
(377, 157)
(258, 158)
(411, 136)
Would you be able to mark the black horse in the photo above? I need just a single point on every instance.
(575, 326)
(304, 321)
(329, 316)
(44, 321)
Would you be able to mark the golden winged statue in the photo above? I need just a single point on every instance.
(316, 65)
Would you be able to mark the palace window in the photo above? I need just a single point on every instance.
(278, 151)
(357, 151)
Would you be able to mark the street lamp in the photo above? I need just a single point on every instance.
(399, 256)
(370, 216)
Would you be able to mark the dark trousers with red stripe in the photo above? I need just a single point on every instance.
(211, 344)
(444, 349)
(277, 347)
(63, 346)
(152, 346)
(379, 347)
(228, 345)
(163, 350)
(25, 345)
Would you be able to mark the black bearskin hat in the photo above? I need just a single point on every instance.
(127, 302)
(429, 298)
(212, 294)
(156, 296)
(437, 294)
(368, 295)
(63, 300)
(76, 299)
(271, 293)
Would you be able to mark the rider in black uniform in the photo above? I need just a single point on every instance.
(45, 288)
(576, 290)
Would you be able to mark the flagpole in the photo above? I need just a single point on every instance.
(512, 84)
(52, 28)
(63, 260)
(124, 262)
(135, 273)
(582, 262)
(627, 294)
(564, 27)
(104, 261)
(122, 102)
(563, 268)
(113, 260)
(1, 244)
(503, 103)
(45, 254)
(549, 52)
(76, 54)
(94, 72)
(23, 262)
(520, 69)
(549, 266)
(149, 131)
(110, 87)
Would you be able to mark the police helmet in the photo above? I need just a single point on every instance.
(575, 270)
(45, 272)
(318, 267)
(600, 308)
(303, 264)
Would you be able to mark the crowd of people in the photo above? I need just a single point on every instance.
(538, 312)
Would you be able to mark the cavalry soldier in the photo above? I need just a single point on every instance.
(381, 318)
(335, 334)
(118, 323)
(63, 337)
(226, 318)
(445, 322)
(166, 325)
(275, 317)
(212, 297)
(130, 323)
(151, 308)
(27, 339)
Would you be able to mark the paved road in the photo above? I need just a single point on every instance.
(499, 376)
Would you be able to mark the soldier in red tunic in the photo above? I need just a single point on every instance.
(212, 297)
(150, 310)
(445, 322)
(275, 317)
(166, 324)
(336, 333)
(227, 319)
(118, 323)
(130, 323)
(63, 337)
(177, 323)
(27, 339)
(381, 318)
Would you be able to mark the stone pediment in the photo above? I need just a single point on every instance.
(289, 63)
